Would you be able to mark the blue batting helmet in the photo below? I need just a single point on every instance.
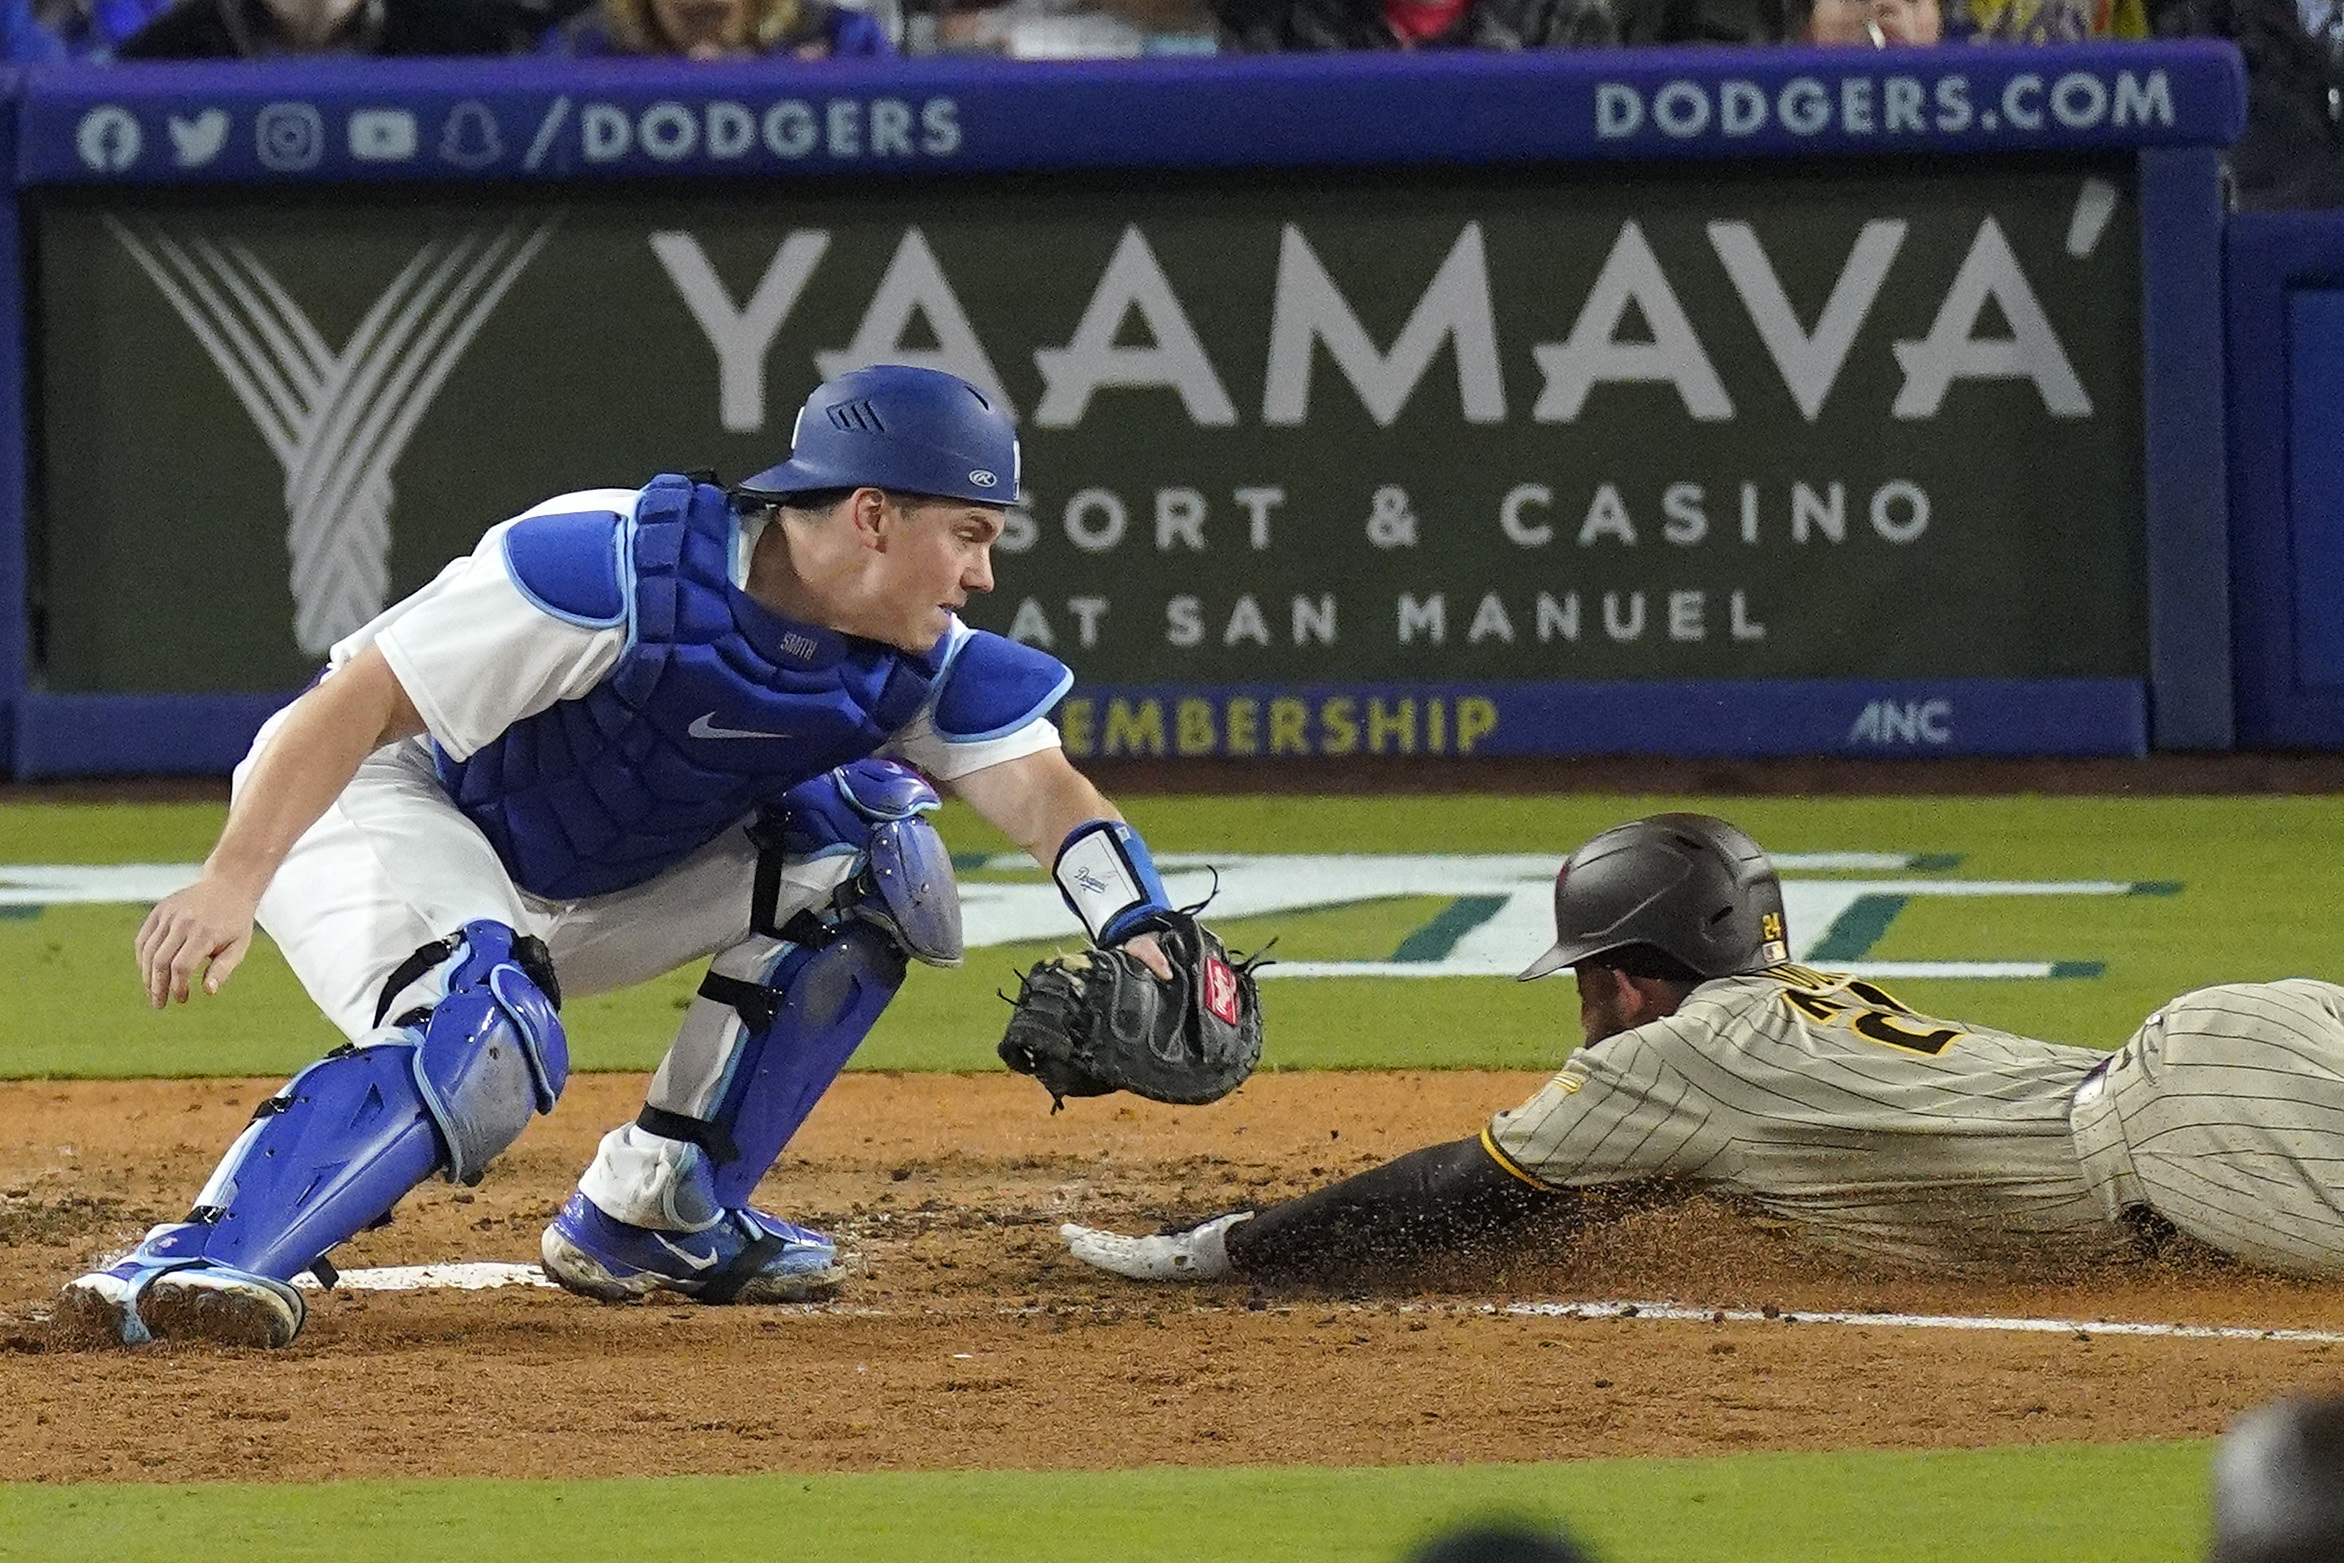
(907, 430)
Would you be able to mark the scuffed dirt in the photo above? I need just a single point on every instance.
(967, 1338)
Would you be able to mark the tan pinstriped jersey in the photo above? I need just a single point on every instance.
(1824, 1101)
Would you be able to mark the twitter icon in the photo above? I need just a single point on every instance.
(195, 142)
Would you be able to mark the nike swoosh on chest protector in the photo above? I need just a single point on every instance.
(703, 727)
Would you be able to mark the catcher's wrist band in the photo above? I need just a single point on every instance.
(1108, 880)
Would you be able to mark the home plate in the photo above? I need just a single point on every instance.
(478, 1277)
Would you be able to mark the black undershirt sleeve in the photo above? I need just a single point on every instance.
(1433, 1203)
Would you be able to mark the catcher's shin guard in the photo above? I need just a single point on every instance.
(779, 1014)
(794, 1030)
(330, 1154)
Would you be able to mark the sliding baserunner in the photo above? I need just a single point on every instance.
(1713, 1064)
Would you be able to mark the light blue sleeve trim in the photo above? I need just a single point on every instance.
(623, 540)
(626, 584)
(962, 636)
(1040, 710)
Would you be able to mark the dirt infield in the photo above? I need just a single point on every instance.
(968, 1338)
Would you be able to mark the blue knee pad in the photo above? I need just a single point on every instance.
(331, 1154)
(874, 810)
(492, 1052)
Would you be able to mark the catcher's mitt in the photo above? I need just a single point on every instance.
(1099, 1021)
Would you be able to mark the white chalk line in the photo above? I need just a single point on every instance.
(1679, 1313)
(469, 1277)
(491, 1276)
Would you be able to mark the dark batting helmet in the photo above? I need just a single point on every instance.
(897, 427)
(1688, 885)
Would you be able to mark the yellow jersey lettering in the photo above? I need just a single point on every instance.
(1888, 1031)
(1871, 1012)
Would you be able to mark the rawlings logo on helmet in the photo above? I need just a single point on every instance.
(983, 479)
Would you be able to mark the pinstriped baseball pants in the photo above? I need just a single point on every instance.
(2225, 1115)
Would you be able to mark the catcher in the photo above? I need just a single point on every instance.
(1713, 1063)
(634, 728)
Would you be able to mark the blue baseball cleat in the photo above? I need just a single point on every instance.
(747, 1257)
(147, 1295)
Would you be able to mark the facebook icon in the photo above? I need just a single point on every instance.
(109, 139)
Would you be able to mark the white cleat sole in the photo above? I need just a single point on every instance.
(214, 1306)
(806, 1286)
(574, 1270)
(92, 1308)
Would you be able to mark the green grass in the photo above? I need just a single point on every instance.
(108, 832)
(2259, 878)
(2139, 1503)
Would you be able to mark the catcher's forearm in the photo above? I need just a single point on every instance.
(1034, 800)
(318, 747)
(1101, 866)
(1427, 1203)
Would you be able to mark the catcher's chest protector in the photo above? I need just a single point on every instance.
(718, 706)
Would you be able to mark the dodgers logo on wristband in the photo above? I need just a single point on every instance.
(1104, 872)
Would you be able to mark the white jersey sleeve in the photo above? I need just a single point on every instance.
(920, 747)
(1618, 1112)
(475, 655)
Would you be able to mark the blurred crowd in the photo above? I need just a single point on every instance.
(47, 31)
(2293, 154)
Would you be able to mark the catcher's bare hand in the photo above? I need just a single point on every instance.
(1144, 948)
(201, 930)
